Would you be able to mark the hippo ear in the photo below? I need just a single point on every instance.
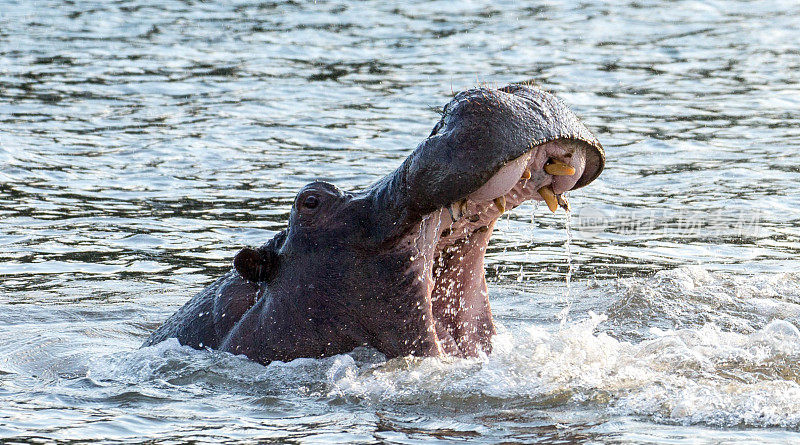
(255, 265)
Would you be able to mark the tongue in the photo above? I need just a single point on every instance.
(503, 181)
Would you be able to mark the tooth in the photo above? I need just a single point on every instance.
(500, 203)
(558, 168)
(455, 211)
(562, 202)
(549, 197)
(526, 174)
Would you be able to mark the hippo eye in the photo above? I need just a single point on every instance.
(310, 202)
(313, 198)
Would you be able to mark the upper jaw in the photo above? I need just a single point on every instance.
(483, 132)
(525, 116)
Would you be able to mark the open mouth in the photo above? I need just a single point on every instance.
(449, 244)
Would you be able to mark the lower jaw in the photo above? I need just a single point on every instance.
(447, 256)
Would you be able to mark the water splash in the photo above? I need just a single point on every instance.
(563, 316)
(531, 240)
(426, 238)
(534, 208)
(697, 375)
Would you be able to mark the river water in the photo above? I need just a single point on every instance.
(142, 143)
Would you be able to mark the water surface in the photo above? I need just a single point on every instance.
(143, 143)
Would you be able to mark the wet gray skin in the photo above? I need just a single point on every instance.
(399, 266)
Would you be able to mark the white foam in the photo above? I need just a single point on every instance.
(700, 374)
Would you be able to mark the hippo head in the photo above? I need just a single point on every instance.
(399, 266)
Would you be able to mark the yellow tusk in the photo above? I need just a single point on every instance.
(526, 174)
(500, 203)
(549, 197)
(558, 168)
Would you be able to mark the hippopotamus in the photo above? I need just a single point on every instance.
(398, 266)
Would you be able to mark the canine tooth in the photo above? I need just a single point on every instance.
(526, 174)
(562, 202)
(500, 203)
(549, 197)
(558, 168)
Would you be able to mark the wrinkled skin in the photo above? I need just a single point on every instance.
(398, 266)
